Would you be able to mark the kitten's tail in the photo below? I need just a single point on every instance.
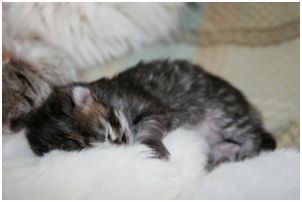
(268, 141)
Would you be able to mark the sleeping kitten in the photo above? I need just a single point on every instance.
(142, 104)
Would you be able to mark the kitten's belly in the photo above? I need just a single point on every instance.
(221, 150)
(206, 130)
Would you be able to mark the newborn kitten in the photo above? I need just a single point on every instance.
(143, 104)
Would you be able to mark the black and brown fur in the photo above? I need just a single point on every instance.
(154, 98)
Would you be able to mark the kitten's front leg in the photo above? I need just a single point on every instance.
(158, 148)
(150, 131)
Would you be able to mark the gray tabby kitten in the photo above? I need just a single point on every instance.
(144, 103)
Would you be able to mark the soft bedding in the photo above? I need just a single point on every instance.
(117, 172)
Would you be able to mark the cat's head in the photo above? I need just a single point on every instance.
(72, 119)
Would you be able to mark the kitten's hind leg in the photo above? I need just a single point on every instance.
(224, 148)
(238, 121)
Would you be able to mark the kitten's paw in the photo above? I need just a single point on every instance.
(247, 150)
(223, 152)
(159, 150)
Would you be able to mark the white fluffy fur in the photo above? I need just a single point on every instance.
(270, 176)
(115, 172)
(90, 33)
(105, 172)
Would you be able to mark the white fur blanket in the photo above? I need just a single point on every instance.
(112, 172)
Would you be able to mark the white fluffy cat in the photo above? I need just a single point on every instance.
(103, 172)
(116, 172)
(91, 33)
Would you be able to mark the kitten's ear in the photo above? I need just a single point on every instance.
(81, 96)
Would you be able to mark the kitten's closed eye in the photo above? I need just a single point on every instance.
(116, 126)
(114, 135)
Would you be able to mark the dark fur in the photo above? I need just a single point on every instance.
(156, 98)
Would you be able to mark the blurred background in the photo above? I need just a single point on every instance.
(255, 46)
